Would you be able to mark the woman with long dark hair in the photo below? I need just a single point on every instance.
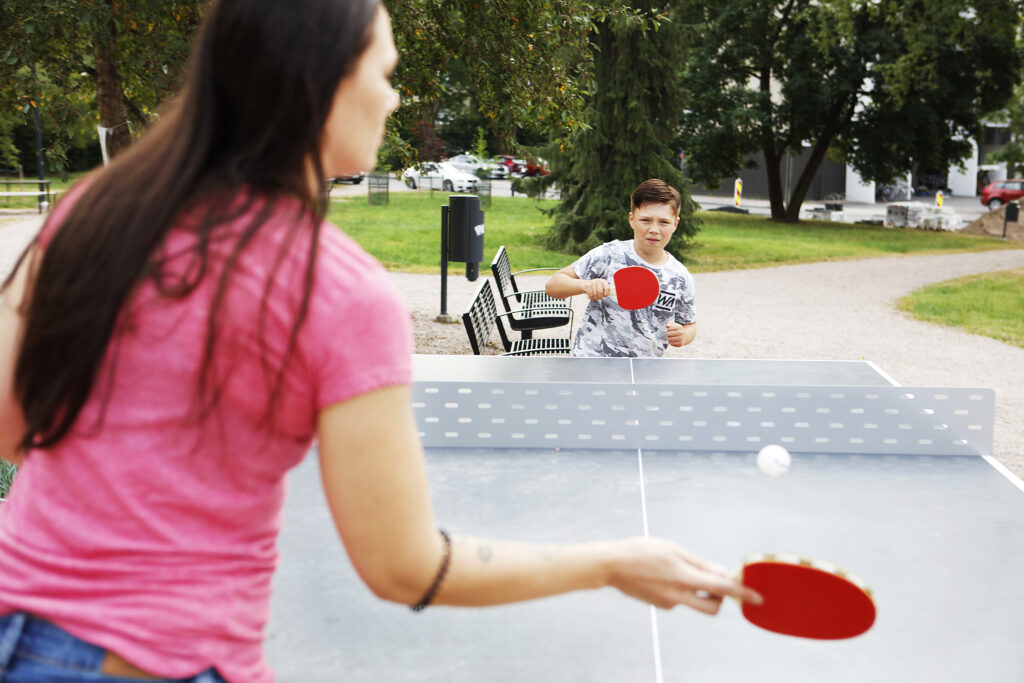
(181, 330)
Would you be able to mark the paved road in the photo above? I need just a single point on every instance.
(967, 208)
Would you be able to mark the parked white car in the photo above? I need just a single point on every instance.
(471, 163)
(439, 175)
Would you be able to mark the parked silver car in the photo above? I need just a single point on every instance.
(439, 175)
(472, 164)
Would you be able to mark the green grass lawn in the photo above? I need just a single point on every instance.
(990, 304)
(405, 235)
(731, 242)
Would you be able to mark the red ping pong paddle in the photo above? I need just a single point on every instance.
(635, 287)
(807, 598)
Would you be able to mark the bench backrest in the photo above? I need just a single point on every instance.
(21, 182)
(480, 317)
(502, 271)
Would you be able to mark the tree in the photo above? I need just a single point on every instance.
(880, 84)
(1013, 151)
(126, 57)
(631, 122)
(523, 61)
(458, 113)
(480, 144)
(41, 96)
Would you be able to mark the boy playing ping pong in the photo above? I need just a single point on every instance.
(608, 329)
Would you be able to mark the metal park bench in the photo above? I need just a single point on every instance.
(530, 303)
(43, 194)
(482, 315)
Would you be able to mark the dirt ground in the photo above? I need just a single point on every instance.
(992, 224)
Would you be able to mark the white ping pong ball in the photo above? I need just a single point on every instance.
(773, 460)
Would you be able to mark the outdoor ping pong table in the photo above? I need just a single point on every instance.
(895, 484)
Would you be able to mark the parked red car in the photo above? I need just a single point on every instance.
(1002, 191)
(522, 167)
(535, 167)
(515, 166)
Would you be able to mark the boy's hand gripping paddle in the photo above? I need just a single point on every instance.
(635, 287)
(807, 598)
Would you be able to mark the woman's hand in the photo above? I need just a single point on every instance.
(664, 574)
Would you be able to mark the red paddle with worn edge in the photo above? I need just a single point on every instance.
(635, 287)
(807, 598)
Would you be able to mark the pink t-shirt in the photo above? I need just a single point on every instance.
(154, 535)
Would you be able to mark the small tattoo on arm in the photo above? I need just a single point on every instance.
(484, 552)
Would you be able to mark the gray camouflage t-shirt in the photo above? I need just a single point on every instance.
(610, 330)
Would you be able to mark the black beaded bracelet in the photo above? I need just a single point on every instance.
(442, 570)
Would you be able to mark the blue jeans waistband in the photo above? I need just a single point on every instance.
(33, 649)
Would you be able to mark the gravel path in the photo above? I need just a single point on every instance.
(823, 311)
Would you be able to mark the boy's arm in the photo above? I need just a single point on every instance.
(566, 283)
(681, 334)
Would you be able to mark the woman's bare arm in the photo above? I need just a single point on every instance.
(375, 479)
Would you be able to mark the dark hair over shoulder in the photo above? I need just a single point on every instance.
(654, 191)
(259, 89)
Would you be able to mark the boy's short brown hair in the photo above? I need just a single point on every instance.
(654, 191)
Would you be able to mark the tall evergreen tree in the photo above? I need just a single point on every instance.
(631, 122)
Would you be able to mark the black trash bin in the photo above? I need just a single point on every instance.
(466, 232)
